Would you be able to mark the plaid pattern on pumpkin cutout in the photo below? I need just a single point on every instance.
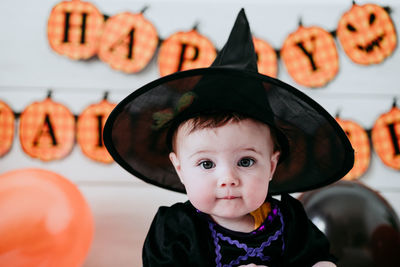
(35, 133)
(267, 61)
(88, 131)
(367, 34)
(172, 48)
(386, 138)
(129, 42)
(74, 29)
(362, 150)
(310, 56)
(7, 126)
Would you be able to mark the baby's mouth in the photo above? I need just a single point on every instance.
(229, 197)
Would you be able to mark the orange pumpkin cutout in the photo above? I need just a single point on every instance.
(7, 125)
(74, 29)
(47, 130)
(267, 60)
(386, 138)
(129, 42)
(90, 131)
(362, 151)
(367, 34)
(310, 56)
(184, 51)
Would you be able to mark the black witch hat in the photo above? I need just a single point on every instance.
(137, 133)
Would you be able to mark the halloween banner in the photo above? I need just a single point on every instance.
(127, 42)
(48, 131)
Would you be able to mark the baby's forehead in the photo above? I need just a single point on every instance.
(234, 128)
(191, 125)
(231, 129)
(232, 138)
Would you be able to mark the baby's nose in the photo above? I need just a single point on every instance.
(228, 178)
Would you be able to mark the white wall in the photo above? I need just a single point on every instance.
(122, 205)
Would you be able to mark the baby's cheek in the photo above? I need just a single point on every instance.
(256, 195)
(201, 197)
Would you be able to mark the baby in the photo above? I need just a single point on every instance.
(226, 161)
(234, 138)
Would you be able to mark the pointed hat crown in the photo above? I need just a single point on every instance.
(238, 52)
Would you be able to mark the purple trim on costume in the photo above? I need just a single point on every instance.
(282, 229)
(250, 252)
(217, 246)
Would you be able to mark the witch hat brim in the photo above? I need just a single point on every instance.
(317, 151)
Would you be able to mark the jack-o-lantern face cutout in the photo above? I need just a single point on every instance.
(367, 34)
(90, 131)
(128, 42)
(310, 56)
(267, 60)
(362, 151)
(47, 130)
(7, 122)
(74, 29)
(185, 51)
(386, 138)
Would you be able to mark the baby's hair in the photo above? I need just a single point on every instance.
(218, 119)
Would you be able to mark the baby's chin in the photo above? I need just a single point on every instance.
(229, 213)
(229, 207)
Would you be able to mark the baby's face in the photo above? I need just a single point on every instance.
(225, 170)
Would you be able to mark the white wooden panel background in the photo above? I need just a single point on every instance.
(123, 206)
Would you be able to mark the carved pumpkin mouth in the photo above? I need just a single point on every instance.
(367, 34)
(371, 45)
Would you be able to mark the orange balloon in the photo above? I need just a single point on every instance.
(44, 221)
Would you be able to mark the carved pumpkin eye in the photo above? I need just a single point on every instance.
(371, 18)
(351, 28)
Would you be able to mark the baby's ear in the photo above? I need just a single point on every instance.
(274, 161)
(275, 156)
(176, 163)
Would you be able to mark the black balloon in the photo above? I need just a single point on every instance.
(362, 227)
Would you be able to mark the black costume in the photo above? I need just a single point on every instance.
(180, 235)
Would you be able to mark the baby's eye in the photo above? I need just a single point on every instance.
(246, 162)
(207, 164)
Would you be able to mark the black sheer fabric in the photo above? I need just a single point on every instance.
(181, 236)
